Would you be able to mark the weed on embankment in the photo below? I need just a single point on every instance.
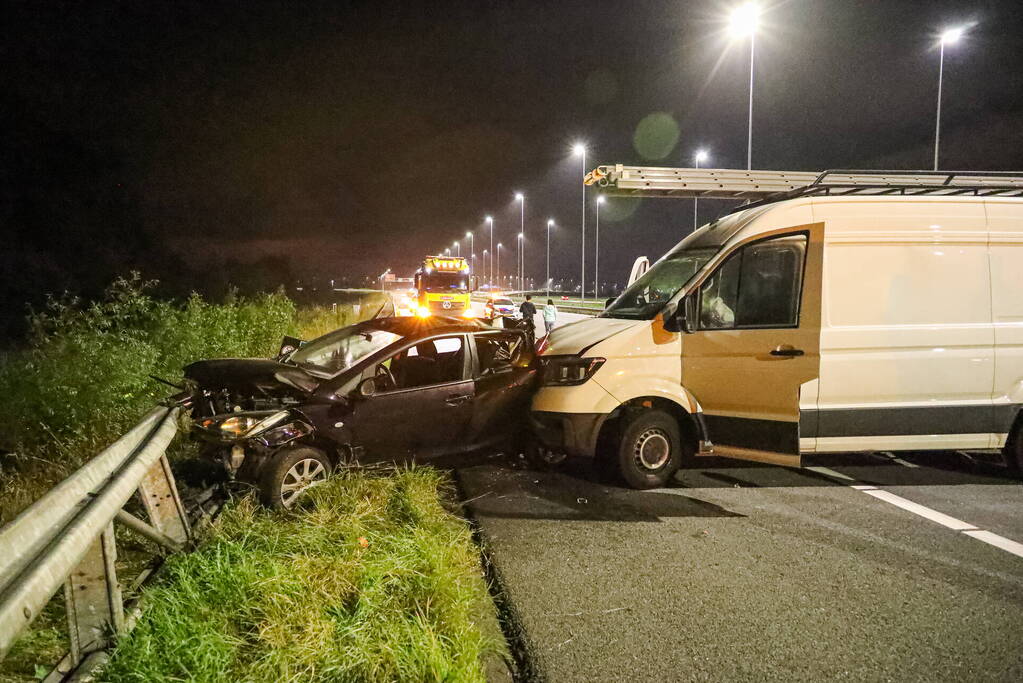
(372, 580)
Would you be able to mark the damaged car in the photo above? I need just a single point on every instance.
(383, 390)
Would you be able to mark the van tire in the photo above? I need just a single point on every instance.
(273, 490)
(649, 449)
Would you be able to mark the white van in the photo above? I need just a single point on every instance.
(852, 312)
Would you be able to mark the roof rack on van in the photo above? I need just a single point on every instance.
(762, 187)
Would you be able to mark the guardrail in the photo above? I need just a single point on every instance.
(67, 537)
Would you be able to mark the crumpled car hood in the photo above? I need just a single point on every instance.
(575, 337)
(249, 373)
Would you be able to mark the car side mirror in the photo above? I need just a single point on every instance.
(609, 302)
(367, 387)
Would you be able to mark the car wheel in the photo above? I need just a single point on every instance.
(649, 449)
(542, 458)
(290, 473)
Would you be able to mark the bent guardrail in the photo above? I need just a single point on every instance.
(67, 537)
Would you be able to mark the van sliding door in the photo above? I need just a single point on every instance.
(756, 343)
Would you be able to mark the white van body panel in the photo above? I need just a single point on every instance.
(921, 340)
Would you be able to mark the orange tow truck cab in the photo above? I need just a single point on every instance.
(443, 287)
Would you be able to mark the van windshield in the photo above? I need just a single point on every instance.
(647, 295)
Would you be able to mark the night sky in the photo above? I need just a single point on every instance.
(260, 142)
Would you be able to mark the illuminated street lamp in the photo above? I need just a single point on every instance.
(700, 156)
(742, 23)
(579, 149)
(490, 220)
(457, 246)
(949, 37)
(485, 252)
(596, 250)
(521, 199)
(550, 224)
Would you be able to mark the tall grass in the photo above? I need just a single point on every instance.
(371, 581)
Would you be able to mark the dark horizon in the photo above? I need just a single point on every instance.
(204, 143)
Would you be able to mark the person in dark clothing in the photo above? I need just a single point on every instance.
(527, 308)
(528, 311)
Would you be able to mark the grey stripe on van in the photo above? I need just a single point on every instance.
(971, 419)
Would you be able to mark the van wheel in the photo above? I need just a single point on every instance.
(649, 449)
(290, 473)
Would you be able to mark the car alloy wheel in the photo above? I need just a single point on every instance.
(303, 475)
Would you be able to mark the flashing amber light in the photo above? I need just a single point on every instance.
(467, 313)
(423, 312)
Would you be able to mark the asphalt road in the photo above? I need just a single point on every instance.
(743, 572)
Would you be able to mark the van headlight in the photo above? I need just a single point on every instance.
(568, 370)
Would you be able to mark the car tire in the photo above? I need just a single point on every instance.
(289, 474)
(649, 449)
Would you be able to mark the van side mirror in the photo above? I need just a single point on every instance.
(681, 316)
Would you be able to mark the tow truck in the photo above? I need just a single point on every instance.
(443, 287)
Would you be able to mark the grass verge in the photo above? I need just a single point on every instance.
(373, 580)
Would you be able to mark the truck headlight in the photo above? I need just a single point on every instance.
(569, 370)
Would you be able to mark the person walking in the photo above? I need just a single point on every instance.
(550, 315)
(528, 311)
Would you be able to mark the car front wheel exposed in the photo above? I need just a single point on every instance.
(290, 473)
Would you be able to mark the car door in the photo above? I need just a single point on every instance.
(755, 343)
(504, 380)
(421, 412)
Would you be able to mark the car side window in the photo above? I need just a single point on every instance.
(433, 361)
(757, 286)
(499, 352)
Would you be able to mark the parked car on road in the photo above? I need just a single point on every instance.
(499, 305)
(387, 389)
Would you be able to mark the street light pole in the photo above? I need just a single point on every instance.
(580, 149)
(518, 270)
(498, 262)
(550, 222)
(744, 23)
(522, 228)
(458, 247)
(490, 220)
(596, 251)
(701, 155)
(949, 37)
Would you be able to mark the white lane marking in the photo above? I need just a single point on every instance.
(905, 463)
(991, 538)
(997, 541)
(917, 509)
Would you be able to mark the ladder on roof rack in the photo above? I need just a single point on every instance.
(770, 186)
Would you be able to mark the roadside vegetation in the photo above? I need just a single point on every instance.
(82, 378)
(371, 580)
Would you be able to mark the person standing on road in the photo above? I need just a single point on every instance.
(528, 311)
(550, 315)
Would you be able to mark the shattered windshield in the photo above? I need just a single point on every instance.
(342, 348)
(647, 295)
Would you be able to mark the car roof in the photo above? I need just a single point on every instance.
(414, 326)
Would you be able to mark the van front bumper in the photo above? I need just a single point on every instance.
(572, 433)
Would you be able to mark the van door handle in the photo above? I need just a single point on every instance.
(458, 399)
(786, 351)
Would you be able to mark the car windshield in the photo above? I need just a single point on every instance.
(647, 295)
(503, 302)
(445, 282)
(342, 348)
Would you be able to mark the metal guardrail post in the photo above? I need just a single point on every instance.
(95, 611)
(160, 498)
